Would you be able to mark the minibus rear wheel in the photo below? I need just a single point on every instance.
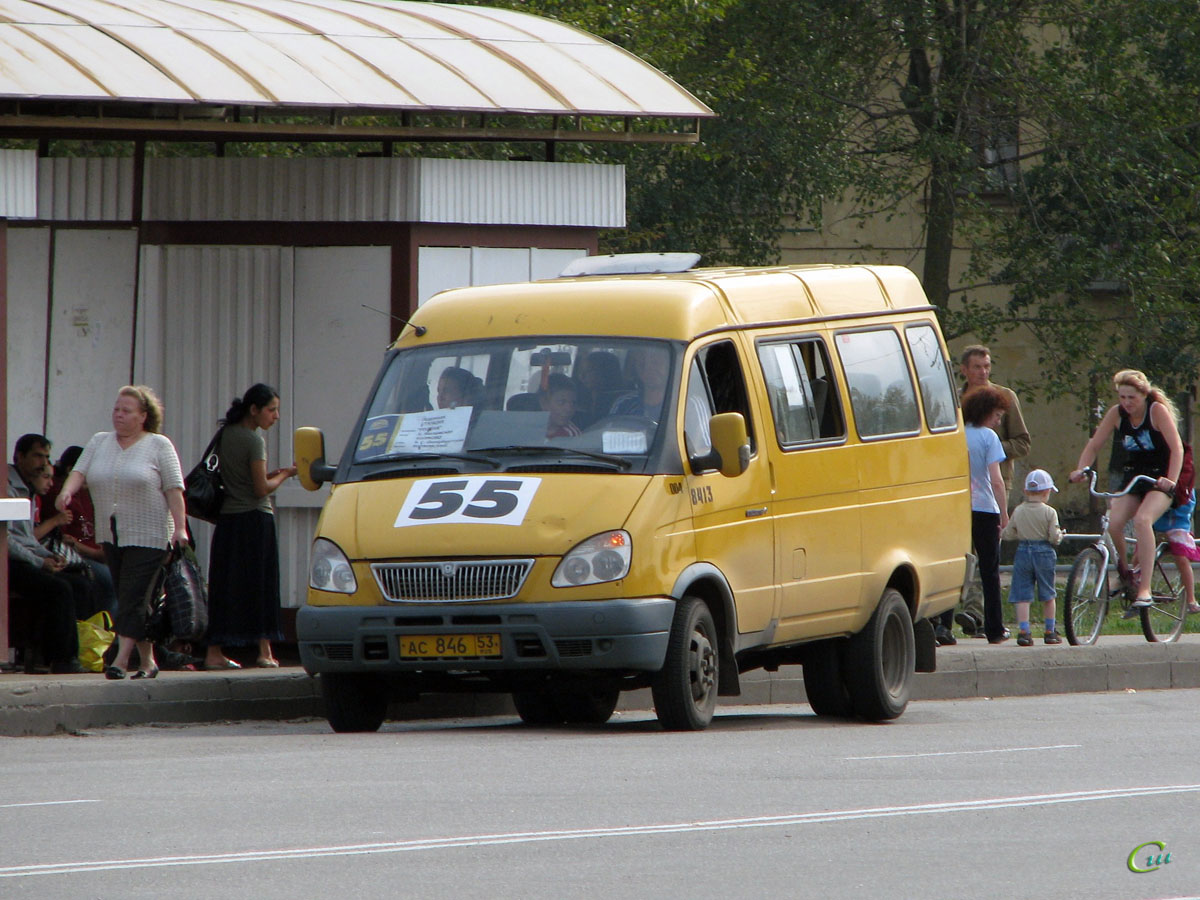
(685, 691)
(881, 660)
(353, 702)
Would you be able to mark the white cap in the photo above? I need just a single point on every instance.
(1039, 480)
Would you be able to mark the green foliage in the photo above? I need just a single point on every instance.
(1100, 251)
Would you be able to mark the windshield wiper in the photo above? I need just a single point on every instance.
(424, 457)
(619, 462)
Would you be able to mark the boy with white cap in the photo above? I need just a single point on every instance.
(1034, 525)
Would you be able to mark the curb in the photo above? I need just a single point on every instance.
(44, 705)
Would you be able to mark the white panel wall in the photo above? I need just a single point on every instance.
(550, 263)
(209, 325)
(18, 184)
(91, 330)
(483, 192)
(442, 268)
(337, 350)
(79, 189)
(28, 299)
(528, 193)
(499, 265)
(339, 344)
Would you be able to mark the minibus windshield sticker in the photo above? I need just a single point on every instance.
(376, 436)
(472, 499)
(436, 431)
(623, 442)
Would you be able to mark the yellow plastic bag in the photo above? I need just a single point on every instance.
(95, 634)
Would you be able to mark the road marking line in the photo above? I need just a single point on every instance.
(44, 803)
(969, 752)
(529, 837)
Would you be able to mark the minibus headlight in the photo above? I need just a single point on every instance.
(602, 557)
(330, 570)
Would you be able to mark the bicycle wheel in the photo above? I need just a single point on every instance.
(1086, 599)
(1163, 622)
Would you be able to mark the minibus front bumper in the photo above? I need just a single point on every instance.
(616, 635)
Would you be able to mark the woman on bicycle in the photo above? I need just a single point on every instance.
(1145, 419)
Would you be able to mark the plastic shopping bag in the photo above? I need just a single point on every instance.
(186, 596)
(95, 634)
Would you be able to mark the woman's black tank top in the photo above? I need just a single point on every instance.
(1146, 449)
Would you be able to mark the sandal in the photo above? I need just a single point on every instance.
(1193, 608)
(223, 664)
(266, 662)
(112, 673)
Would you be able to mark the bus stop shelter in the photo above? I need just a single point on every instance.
(187, 263)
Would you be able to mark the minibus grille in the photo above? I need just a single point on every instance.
(451, 581)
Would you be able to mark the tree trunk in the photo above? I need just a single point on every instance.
(939, 236)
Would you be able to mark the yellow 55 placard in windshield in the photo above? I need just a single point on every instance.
(470, 499)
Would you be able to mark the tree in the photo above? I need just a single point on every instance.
(1005, 124)
(1100, 251)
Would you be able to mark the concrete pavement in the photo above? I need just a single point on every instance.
(50, 704)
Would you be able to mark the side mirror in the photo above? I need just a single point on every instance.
(308, 445)
(731, 442)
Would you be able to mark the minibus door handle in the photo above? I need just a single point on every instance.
(756, 512)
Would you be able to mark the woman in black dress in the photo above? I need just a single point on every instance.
(243, 571)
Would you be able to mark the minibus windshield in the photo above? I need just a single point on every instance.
(587, 400)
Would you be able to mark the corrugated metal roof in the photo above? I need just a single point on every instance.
(332, 54)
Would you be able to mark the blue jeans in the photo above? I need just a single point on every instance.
(1033, 566)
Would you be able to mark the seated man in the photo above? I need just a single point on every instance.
(42, 595)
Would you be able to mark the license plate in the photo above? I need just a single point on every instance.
(448, 646)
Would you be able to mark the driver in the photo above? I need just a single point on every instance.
(651, 367)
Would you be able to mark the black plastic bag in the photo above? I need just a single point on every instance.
(185, 596)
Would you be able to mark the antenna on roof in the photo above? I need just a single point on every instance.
(419, 329)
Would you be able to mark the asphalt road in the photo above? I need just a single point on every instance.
(1022, 797)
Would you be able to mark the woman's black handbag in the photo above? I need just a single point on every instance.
(203, 489)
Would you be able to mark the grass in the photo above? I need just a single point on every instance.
(1113, 623)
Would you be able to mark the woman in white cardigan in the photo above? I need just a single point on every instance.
(136, 484)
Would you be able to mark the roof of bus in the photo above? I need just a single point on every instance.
(674, 306)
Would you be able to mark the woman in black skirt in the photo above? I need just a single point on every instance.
(243, 571)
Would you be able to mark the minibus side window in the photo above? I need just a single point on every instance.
(804, 399)
(881, 387)
(715, 385)
(697, 412)
(933, 376)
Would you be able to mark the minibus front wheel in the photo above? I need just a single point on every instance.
(881, 661)
(685, 691)
(353, 702)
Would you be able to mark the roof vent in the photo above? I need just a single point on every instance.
(630, 264)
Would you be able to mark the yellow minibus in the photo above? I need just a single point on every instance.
(655, 476)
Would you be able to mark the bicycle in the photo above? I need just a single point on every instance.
(1088, 593)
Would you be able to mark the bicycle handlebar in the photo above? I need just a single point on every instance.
(1089, 471)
